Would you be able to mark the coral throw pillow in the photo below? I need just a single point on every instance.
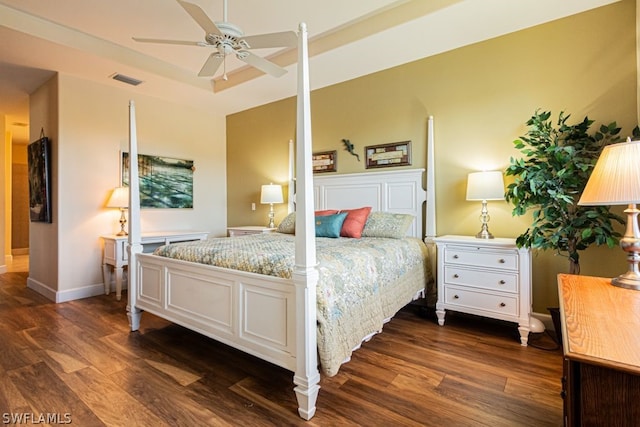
(354, 222)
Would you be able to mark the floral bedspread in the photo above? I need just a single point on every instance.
(362, 282)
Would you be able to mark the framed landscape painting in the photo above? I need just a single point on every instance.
(164, 182)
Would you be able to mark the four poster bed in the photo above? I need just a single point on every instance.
(309, 297)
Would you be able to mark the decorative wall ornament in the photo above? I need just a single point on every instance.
(350, 148)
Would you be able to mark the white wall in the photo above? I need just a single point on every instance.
(93, 130)
(43, 237)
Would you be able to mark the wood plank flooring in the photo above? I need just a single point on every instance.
(78, 360)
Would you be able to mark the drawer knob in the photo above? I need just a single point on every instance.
(502, 282)
(502, 304)
(456, 257)
(501, 261)
(456, 297)
(455, 276)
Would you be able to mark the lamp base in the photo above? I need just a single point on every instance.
(123, 223)
(484, 219)
(628, 280)
(630, 243)
(484, 234)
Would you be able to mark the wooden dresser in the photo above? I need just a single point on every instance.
(601, 339)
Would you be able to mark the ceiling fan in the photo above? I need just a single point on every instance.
(226, 38)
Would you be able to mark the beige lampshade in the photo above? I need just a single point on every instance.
(119, 198)
(271, 193)
(487, 185)
(615, 179)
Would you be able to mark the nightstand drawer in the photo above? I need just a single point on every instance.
(481, 257)
(493, 280)
(505, 305)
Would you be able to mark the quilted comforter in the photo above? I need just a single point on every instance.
(362, 282)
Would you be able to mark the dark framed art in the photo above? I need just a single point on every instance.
(164, 182)
(39, 165)
(385, 155)
(324, 161)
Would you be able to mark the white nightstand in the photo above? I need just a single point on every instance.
(249, 229)
(115, 256)
(485, 277)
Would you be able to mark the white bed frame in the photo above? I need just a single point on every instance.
(270, 317)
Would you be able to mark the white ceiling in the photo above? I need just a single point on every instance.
(91, 39)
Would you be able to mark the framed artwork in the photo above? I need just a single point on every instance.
(324, 161)
(39, 165)
(164, 182)
(385, 155)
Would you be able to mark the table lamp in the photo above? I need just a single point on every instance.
(271, 194)
(485, 186)
(120, 199)
(615, 180)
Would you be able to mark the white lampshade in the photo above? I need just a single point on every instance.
(615, 180)
(485, 186)
(271, 193)
(119, 198)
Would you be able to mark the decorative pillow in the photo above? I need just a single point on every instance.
(386, 224)
(329, 225)
(288, 224)
(354, 222)
(327, 212)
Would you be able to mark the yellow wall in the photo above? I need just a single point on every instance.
(481, 96)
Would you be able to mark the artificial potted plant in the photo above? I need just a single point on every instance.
(550, 178)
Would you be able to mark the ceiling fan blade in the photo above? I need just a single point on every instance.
(283, 39)
(262, 64)
(200, 17)
(211, 65)
(163, 41)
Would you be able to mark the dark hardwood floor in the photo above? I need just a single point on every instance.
(77, 361)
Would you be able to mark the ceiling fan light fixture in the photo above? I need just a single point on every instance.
(227, 38)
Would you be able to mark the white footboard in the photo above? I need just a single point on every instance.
(250, 312)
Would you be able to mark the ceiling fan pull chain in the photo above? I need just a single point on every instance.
(224, 68)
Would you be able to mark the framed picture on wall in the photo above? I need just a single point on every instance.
(164, 182)
(324, 161)
(386, 155)
(39, 166)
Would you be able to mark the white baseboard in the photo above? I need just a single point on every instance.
(66, 295)
(41, 288)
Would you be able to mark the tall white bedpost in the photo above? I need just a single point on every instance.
(430, 231)
(135, 245)
(305, 274)
(291, 206)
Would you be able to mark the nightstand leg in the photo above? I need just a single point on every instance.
(440, 312)
(524, 334)
(106, 278)
(118, 272)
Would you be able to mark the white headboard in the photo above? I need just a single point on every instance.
(397, 191)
